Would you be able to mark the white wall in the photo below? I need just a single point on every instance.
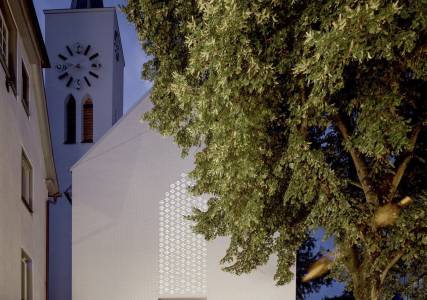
(64, 27)
(117, 191)
(94, 27)
(19, 229)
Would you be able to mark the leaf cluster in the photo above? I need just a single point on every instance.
(304, 114)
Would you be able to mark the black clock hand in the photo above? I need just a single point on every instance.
(79, 65)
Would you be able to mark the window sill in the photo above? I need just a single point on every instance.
(69, 143)
(27, 205)
(87, 142)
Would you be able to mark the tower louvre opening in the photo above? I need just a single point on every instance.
(79, 4)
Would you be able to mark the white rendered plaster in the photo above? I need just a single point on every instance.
(20, 229)
(120, 189)
(94, 27)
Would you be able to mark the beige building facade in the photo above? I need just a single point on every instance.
(27, 172)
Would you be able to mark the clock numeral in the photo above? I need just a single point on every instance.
(62, 76)
(77, 84)
(94, 56)
(87, 50)
(62, 57)
(69, 51)
(96, 66)
(79, 48)
(62, 68)
(94, 74)
(87, 81)
(70, 81)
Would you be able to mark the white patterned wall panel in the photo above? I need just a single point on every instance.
(183, 255)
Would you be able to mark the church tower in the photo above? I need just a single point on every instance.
(85, 84)
(84, 90)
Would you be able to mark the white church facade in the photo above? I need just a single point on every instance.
(118, 232)
(130, 237)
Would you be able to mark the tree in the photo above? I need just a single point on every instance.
(306, 256)
(303, 114)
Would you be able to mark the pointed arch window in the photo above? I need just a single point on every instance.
(70, 121)
(88, 121)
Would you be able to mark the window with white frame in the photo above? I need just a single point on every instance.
(27, 182)
(26, 277)
(4, 36)
(8, 46)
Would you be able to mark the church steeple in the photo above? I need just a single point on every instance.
(76, 4)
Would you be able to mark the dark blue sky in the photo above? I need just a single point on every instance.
(336, 289)
(134, 86)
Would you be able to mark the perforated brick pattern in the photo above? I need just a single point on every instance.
(183, 254)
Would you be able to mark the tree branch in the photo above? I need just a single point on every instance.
(405, 162)
(350, 261)
(355, 184)
(389, 266)
(359, 163)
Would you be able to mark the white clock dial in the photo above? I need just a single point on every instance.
(79, 67)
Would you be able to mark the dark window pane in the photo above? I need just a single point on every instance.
(25, 90)
(70, 121)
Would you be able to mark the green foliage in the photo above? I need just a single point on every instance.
(306, 114)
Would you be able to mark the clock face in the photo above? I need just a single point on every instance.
(79, 67)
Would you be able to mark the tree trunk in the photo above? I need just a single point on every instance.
(374, 293)
(365, 289)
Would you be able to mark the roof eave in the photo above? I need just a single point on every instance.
(45, 63)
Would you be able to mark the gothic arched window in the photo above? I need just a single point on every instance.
(87, 121)
(70, 121)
